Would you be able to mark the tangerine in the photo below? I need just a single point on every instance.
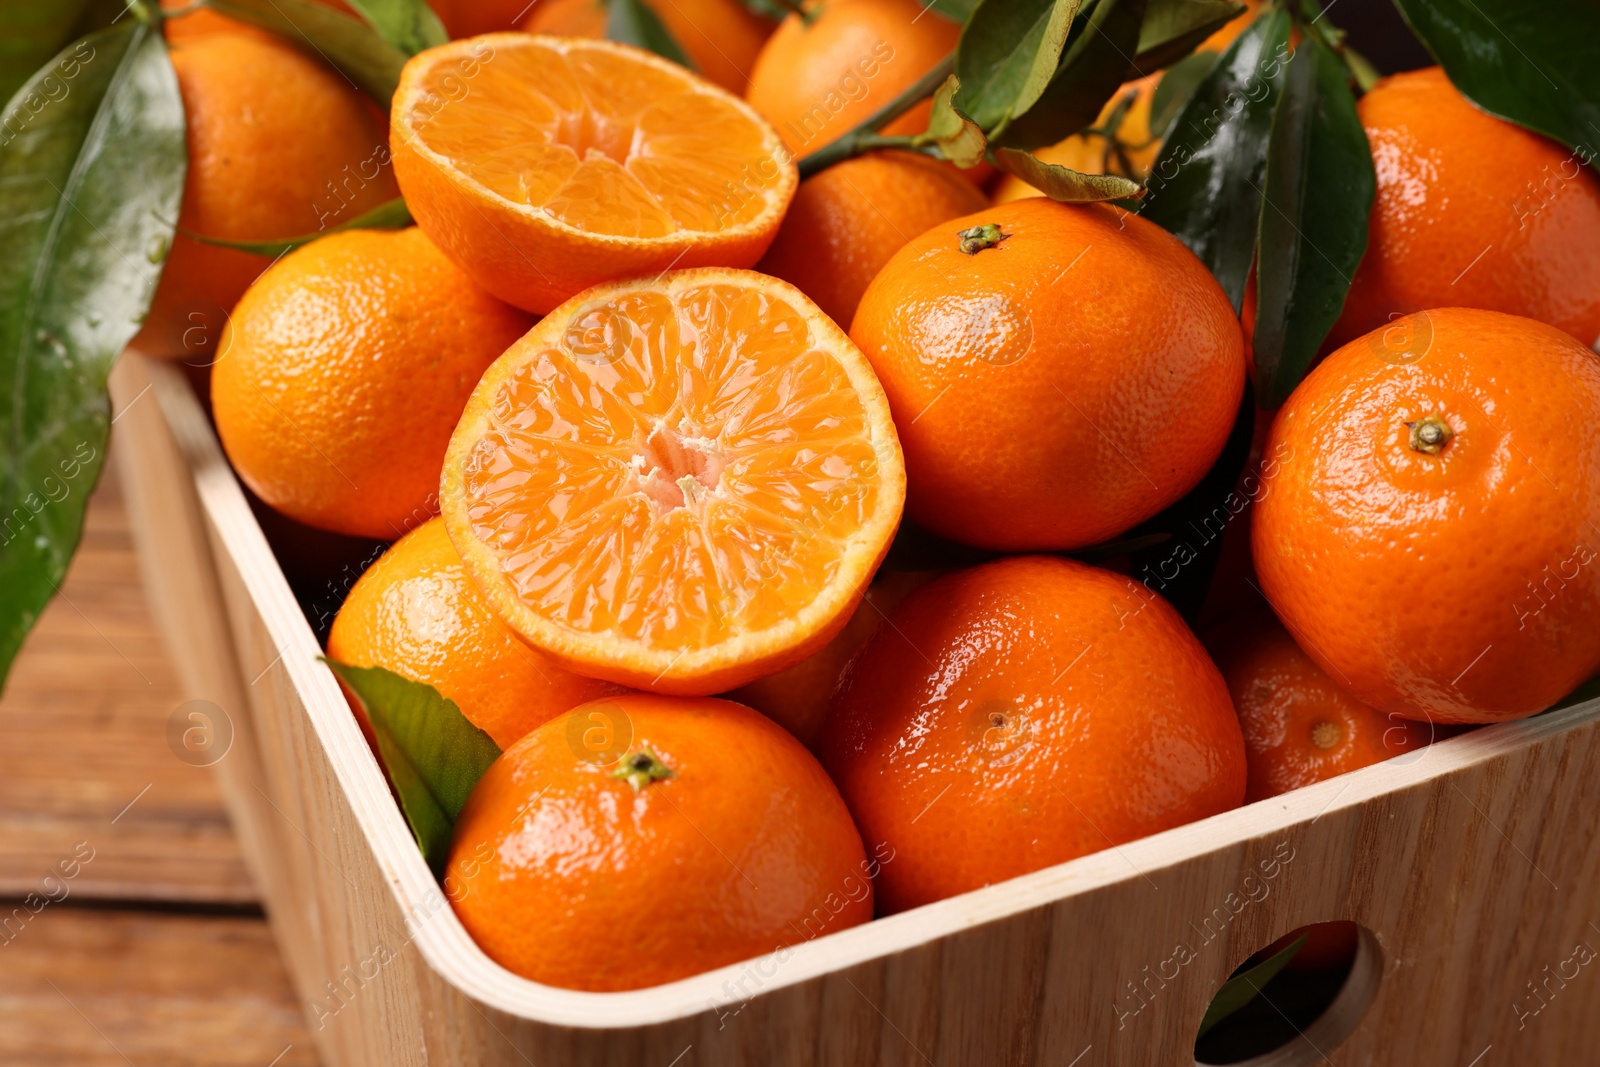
(1429, 534)
(1058, 373)
(712, 837)
(344, 369)
(1021, 714)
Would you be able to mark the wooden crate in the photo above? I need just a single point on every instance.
(1471, 866)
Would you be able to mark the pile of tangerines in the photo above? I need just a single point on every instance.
(643, 413)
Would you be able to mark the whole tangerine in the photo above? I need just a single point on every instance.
(1299, 725)
(1429, 534)
(279, 146)
(1058, 373)
(707, 836)
(343, 372)
(1021, 714)
(825, 72)
(1472, 211)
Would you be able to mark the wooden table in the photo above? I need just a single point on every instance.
(130, 933)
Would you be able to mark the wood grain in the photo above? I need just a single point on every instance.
(83, 728)
(95, 988)
(1474, 868)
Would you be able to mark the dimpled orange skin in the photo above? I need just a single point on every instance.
(816, 80)
(1454, 184)
(417, 613)
(565, 875)
(1460, 587)
(344, 371)
(1299, 726)
(848, 221)
(1058, 388)
(721, 37)
(1021, 714)
(268, 129)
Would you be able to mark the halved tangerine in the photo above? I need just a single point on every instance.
(678, 483)
(545, 165)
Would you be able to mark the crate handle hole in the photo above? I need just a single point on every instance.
(1305, 1010)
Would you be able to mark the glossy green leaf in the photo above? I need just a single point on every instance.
(1008, 54)
(1318, 196)
(1175, 88)
(1206, 184)
(1093, 66)
(1063, 183)
(354, 48)
(392, 215)
(409, 25)
(30, 33)
(1242, 988)
(89, 190)
(1533, 62)
(635, 22)
(448, 751)
(1173, 29)
(958, 137)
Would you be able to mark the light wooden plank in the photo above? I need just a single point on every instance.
(94, 988)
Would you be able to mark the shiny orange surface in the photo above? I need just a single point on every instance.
(417, 613)
(545, 165)
(818, 78)
(721, 37)
(848, 221)
(679, 482)
(1472, 211)
(565, 874)
(345, 368)
(1462, 586)
(1057, 388)
(1299, 726)
(279, 146)
(1021, 714)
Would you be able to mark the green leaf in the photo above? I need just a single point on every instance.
(30, 33)
(958, 137)
(1319, 189)
(1532, 62)
(1206, 184)
(409, 25)
(958, 11)
(1173, 28)
(635, 22)
(1093, 67)
(354, 48)
(392, 215)
(1241, 989)
(1175, 88)
(1064, 184)
(1007, 55)
(90, 185)
(431, 752)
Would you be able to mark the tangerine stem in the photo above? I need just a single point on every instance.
(863, 137)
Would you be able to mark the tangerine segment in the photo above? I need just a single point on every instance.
(680, 484)
(544, 165)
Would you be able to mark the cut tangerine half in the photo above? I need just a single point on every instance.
(680, 483)
(545, 165)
